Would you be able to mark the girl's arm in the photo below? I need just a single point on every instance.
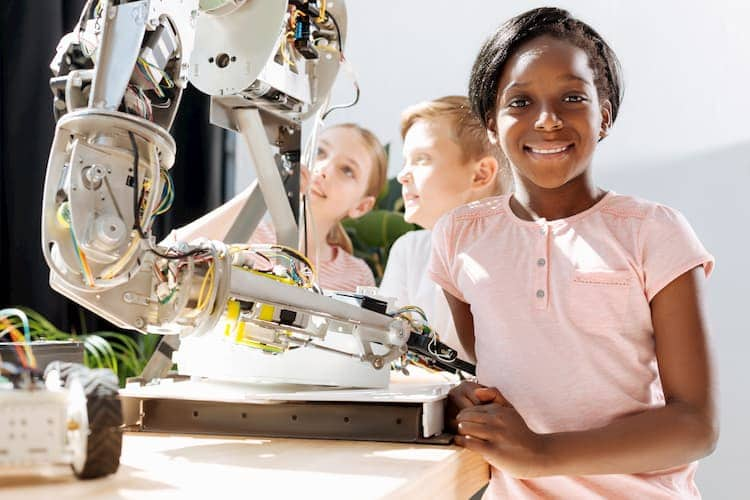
(463, 395)
(215, 224)
(684, 430)
(464, 322)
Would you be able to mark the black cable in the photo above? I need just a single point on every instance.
(304, 222)
(338, 31)
(136, 188)
(356, 85)
(343, 106)
(137, 203)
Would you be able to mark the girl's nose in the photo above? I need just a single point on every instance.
(321, 168)
(548, 120)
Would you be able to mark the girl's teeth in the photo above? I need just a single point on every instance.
(549, 151)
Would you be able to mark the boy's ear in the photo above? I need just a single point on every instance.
(485, 172)
(492, 132)
(364, 206)
(606, 109)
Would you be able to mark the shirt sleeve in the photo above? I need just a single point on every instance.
(263, 234)
(394, 282)
(441, 268)
(669, 249)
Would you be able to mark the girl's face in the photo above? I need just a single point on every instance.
(549, 117)
(434, 178)
(340, 176)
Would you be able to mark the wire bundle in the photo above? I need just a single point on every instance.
(24, 354)
(278, 262)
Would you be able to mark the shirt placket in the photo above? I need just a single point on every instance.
(541, 268)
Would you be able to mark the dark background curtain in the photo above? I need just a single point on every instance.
(29, 33)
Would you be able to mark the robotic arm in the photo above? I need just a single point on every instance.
(267, 65)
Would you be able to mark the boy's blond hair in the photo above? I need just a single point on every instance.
(468, 131)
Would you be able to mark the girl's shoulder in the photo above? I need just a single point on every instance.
(627, 206)
(465, 215)
(486, 207)
(648, 216)
(345, 272)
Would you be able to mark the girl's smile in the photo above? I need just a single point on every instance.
(548, 151)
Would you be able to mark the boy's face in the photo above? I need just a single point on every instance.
(549, 117)
(435, 177)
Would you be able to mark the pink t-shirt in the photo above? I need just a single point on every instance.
(563, 324)
(343, 272)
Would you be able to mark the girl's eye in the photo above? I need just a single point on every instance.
(321, 153)
(519, 102)
(348, 171)
(574, 98)
(421, 159)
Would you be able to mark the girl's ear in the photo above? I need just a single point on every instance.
(492, 132)
(606, 109)
(361, 208)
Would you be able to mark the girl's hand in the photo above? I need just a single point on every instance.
(460, 397)
(498, 433)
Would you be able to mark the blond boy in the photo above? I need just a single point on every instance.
(448, 162)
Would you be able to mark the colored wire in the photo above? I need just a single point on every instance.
(27, 359)
(24, 319)
(203, 300)
(149, 77)
(164, 75)
(322, 16)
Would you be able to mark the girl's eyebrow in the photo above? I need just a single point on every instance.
(351, 161)
(347, 159)
(566, 77)
(571, 77)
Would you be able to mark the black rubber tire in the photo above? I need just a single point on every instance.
(104, 410)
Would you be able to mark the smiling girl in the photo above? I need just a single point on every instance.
(581, 305)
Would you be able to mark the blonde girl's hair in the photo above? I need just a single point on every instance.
(337, 235)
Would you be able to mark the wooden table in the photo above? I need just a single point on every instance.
(177, 466)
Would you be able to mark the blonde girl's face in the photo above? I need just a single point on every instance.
(340, 176)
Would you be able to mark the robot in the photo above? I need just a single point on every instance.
(231, 313)
(268, 66)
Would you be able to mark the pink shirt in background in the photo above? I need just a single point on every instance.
(343, 272)
(563, 324)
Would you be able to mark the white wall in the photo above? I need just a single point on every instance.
(683, 136)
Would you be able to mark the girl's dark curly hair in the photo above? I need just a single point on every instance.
(558, 23)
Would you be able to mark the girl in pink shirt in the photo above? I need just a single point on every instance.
(346, 178)
(581, 306)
